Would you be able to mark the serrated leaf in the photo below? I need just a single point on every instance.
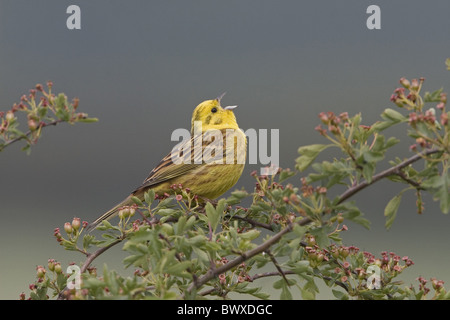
(284, 174)
(87, 240)
(434, 96)
(308, 154)
(439, 187)
(352, 213)
(302, 266)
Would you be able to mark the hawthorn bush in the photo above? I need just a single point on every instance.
(180, 248)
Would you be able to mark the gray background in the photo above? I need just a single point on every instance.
(142, 66)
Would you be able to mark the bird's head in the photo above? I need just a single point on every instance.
(212, 116)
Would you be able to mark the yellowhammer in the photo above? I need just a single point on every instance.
(209, 163)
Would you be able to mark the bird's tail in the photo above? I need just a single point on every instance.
(109, 214)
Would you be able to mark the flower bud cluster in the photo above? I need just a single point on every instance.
(333, 123)
(410, 99)
(238, 275)
(41, 108)
(437, 285)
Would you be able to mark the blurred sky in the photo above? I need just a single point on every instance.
(142, 66)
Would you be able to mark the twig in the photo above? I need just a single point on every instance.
(275, 262)
(253, 222)
(388, 172)
(403, 176)
(25, 135)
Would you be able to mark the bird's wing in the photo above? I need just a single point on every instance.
(185, 158)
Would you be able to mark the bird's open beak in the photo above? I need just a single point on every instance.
(230, 107)
(220, 97)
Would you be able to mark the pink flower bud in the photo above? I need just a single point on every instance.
(68, 228)
(58, 268)
(32, 124)
(444, 119)
(76, 223)
(9, 116)
(40, 271)
(405, 83)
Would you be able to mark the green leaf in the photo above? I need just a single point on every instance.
(88, 120)
(381, 125)
(339, 294)
(390, 211)
(368, 171)
(321, 235)
(309, 154)
(179, 226)
(444, 194)
(300, 267)
(307, 295)
(434, 96)
(256, 292)
(439, 187)
(87, 241)
(391, 142)
(202, 255)
(393, 115)
(285, 174)
(213, 216)
(351, 212)
(250, 235)
(137, 201)
(285, 292)
(373, 156)
(178, 268)
(196, 240)
(149, 196)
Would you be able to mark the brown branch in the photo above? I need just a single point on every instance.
(386, 173)
(25, 135)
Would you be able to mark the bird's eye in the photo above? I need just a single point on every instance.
(214, 110)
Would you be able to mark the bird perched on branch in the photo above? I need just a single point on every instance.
(209, 163)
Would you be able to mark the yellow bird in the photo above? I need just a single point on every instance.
(209, 163)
